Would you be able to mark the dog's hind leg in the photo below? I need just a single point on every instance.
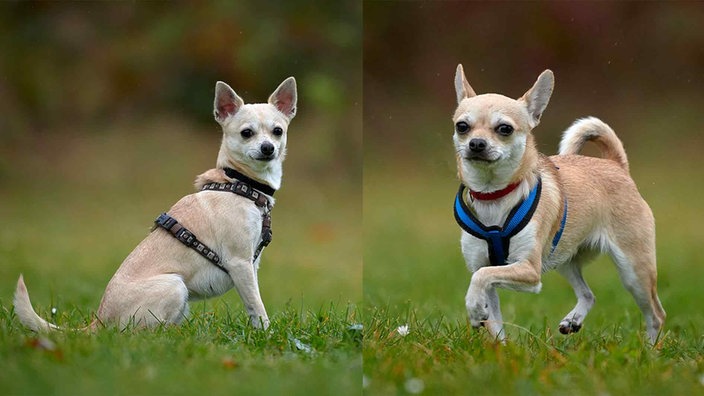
(160, 299)
(572, 271)
(637, 269)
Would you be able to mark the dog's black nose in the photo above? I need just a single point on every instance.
(477, 145)
(267, 148)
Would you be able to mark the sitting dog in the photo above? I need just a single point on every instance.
(208, 241)
(523, 213)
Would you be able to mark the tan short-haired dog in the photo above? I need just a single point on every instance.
(523, 213)
(211, 240)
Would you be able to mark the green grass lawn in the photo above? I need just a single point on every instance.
(73, 206)
(214, 352)
(414, 275)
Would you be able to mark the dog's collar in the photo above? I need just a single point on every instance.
(490, 196)
(234, 174)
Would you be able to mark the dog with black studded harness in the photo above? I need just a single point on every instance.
(211, 240)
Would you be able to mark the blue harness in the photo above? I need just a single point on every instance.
(498, 239)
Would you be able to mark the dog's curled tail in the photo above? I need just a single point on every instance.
(25, 312)
(595, 130)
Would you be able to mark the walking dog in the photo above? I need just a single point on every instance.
(211, 240)
(523, 213)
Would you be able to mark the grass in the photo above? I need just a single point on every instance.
(414, 275)
(215, 351)
(74, 205)
(447, 357)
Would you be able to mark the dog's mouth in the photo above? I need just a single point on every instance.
(480, 158)
(265, 158)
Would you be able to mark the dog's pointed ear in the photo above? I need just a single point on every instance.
(227, 103)
(285, 97)
(538, 96)
(462, 87)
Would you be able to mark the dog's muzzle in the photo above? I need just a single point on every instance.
(267, 151)
(265, 158)
(482, 156)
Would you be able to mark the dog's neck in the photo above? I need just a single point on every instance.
(489, 183)
(492, 180)
(490, 196)
(269, 173)
(218, 175)
(239, 176)
(494, 212)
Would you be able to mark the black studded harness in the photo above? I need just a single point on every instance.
(242, 186)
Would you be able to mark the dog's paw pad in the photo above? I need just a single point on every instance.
(478, 324)
(568, 328)
(479, 319)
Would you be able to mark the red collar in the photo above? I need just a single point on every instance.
(494, 194)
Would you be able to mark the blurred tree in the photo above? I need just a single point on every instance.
(618, 60)
(78, 62)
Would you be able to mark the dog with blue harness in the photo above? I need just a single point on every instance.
(522, 213)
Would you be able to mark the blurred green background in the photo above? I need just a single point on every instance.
(637, 66)
(107, 119)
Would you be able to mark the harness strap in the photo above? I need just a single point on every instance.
(267, 235)
(240, 188)
(498, 238)
(234, 174)
(186, 237)
(558, 234)
(245, 190)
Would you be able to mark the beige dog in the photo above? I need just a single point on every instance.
(210, 240)
(523, 213)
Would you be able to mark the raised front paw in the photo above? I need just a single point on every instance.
(478, 313)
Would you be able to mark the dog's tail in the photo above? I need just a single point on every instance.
(595, 130)
(25, 312)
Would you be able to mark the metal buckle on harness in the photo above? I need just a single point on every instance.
(166, 221)
(186, 236)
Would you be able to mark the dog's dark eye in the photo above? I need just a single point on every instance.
(278, 131)
(504, 129)
(462, 127)
(247, 133)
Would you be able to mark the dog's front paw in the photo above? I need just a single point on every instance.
(478, 313)
(259, 322)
